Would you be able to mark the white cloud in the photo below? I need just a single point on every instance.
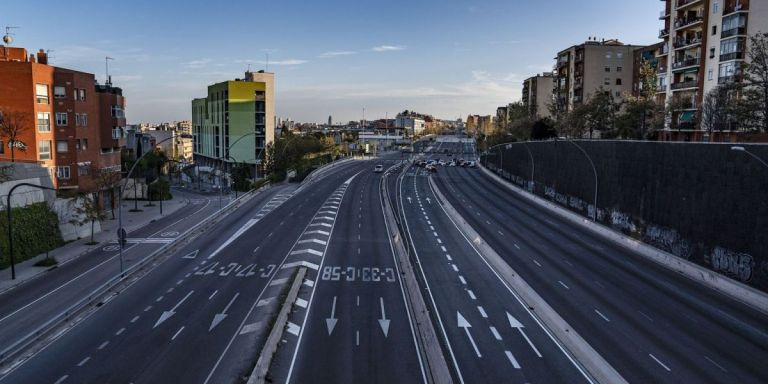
(273, 62)
(388, 48)
(540, 67)
(197, 63)
(336, 53)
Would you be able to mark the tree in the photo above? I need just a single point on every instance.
(756, 78)
(542, 130)
(641, 115)
(674, 105)
(13, 124)
(601, 112)
(106, 180)
(88, 211)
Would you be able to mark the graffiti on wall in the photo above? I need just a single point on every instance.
(622, 221)
(736, 264)
(669, 240)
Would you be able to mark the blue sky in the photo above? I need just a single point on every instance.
(330, 57)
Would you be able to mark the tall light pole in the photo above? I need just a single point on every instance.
(121, 235)
(594, 170)
(742, 149)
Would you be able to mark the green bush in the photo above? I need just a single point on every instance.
(35, 230)
(160, 189)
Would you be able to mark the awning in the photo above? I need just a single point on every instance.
(686, 117)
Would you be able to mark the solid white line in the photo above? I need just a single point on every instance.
(357, 338)
(119, 332)
(512, 359)
(81, 363)
(177, 333)
(104, 344)
(659, 361)
(537, 263)
(601, 315)
(471, 294)
(716, 364)
(134, 319)
(495, 333)
(482, 312)
(213, 294)
(563, 284)
(61, 379)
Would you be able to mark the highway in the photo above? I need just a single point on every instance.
(354, 325)
(215, 297)
(650, 324)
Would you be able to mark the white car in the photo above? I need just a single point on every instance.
(379, 168)
(441, 162)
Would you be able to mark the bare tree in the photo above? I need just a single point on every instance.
(756, 78)
(106, 180)
(14, 124)
(88, 212)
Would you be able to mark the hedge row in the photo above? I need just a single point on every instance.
(35, 230)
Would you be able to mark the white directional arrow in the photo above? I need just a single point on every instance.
(384, 322)
(514, 323)
(168, 314)
(463, 323)
(191, 255)
(409, 200)
(217, 318)
(429, 201)
(331, 321)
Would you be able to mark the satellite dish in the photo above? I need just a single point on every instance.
(7, 39)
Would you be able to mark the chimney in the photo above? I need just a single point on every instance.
(42, 57)
(31, 58)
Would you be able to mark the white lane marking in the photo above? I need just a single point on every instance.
(299, 264)
(482, 312)
(317, 232)
(659, 361)
(439, 241)
(159, 299)
(308, 250)
(134, 319)
(357, 338)
(213, 294)
(104, 344)
(563, 284)
(471, 294)
(447, 256)
(301, 302)
(455, 268)
(177, 333)
(536, 262)
(309, 283)
(429, 222)
(495, 333)
(82, 362)
(169, 290)
(248, 328)
(599, 284)
(434, 233)
(293, 329)
(463, 323)
(500, 233)
(61, 379)
(316, 241)
(431, 228)
(488, 222)
(516, 246)
(120, 332)
(601, 315)
(181, 281)
(320, 225)
(279, 282)
(462, 280)
(234, 237)
(512, 359)
(568, 262)
(716, 364)
(264, 302)
(646, 316)
(147, 308)
(443, 248)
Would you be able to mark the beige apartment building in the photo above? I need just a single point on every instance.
(537, 94)
(584, 69)
(704, 45)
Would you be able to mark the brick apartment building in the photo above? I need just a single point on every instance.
(74, 125)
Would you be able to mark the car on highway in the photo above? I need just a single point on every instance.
(471, 164)
(378, 169)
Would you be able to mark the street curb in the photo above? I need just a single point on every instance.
(738, 291)
(425, 332)
(31, 343)
(89, 248)
(576, 346)
(260, 371)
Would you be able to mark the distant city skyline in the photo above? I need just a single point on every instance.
(445, 58)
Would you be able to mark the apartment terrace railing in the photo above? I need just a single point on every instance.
(733, 32)
(681, 22)
(738, 55)
(683, 3)
(663, 50)
(689, 62)
(685, 84)
(663, 33)
(734, 7)
(729, 79)
(684, 42)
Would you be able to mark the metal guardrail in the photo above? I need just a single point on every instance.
(98, 295)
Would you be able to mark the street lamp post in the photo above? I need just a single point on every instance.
(742, 149)
(120, 230)
(10, 221)
(594, 170)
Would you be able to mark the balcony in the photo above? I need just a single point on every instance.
(686, 3)
(732, 56)
(685, 85)
(563, 61)
(577, 99)
(579, 57)
(683, 42)
(729, 79)
(687, 22)
(663, 33)
(663, 15)
(662, 69)
(663, 50)
(741, 31)
(688, 62)
(578, 82)
(662, 88)
(733, 7)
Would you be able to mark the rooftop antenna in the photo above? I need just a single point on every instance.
(48, 55)
(249, 67)
(106, 64)
(7, 39)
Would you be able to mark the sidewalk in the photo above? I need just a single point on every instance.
(26, 270)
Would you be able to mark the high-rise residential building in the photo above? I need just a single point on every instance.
(235, 122)
(330, 120)
(643, 55)
(73, 126)
(704, 44)
(537, 94)
(594, 66)
(501, 120)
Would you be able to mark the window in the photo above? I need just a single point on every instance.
(82, 170)
(716, 7)
(117, 133)
(714, 30)
(710, 74)
(59, 92)
(712, 52)
(607, 81)
(619, 55)
(62, 146)
(2, 147)
(44, 150)
(61, 119)
(117, 111)
(44, 122)
(81, 144)
(41, 93)
(618, 94)
(619, 69)
(728, 69)
(62, 172)
(79, 94)
(608, 55)
(618, 81)
(607, 69)
(81, 119)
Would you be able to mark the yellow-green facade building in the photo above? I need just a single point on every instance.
(235, 122)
